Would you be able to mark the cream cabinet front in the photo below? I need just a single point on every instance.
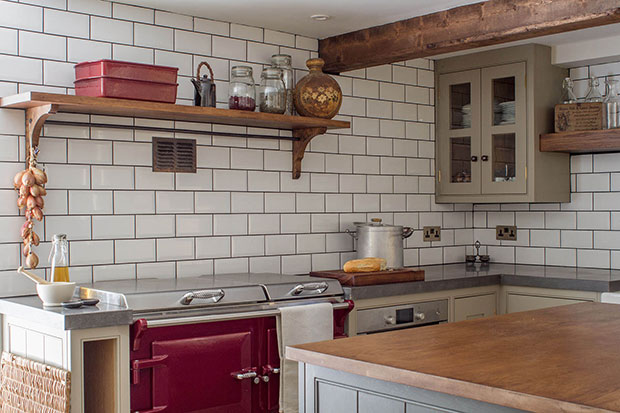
(477, 306)
(514, 299)
(491, 109)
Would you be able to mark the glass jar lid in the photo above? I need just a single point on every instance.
(281, 59)
(241, 71)
(272, 73)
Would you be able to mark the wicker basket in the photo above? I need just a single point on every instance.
(29, 386)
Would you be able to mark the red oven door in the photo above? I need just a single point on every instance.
(198, 372)
(205, 367)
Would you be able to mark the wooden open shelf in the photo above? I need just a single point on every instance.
(40, 105)
(592, 141)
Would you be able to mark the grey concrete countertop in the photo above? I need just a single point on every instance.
(454, 276)
(101, 315)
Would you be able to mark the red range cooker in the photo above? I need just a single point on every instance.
(210, 344)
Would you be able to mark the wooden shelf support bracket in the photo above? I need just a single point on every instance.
(303, 138)
(35, 118)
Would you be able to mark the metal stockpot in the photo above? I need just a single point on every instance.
(375, 239)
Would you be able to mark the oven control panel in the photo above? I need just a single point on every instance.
(374, 320)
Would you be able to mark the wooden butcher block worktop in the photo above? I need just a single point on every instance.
(558, 359)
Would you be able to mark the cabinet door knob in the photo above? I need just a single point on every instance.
(484, 158)
(474, 158)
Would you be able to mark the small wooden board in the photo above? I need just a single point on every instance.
(357, 279)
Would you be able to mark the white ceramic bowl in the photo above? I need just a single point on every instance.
(55, 294)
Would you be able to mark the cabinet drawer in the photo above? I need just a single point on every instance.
(523, 302)
(469, 308)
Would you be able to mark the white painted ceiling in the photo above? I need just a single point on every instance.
(293, 16)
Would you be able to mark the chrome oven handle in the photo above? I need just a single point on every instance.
(316, 288)
(212, 295)
(247, 375)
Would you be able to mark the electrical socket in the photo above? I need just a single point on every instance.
(432, 234)
(506, 232)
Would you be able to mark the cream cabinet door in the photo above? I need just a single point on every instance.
(523, 302)
(469, 308)
(504, 129)
(458, 133)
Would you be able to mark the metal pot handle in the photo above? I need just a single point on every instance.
(407, 232)
(353, 234)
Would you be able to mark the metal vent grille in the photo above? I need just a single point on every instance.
(174, 155)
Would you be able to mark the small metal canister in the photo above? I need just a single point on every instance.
(375, 239)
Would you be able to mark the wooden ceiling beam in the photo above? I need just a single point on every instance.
(466, 27)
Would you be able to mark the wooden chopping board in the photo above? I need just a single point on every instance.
(357, 279)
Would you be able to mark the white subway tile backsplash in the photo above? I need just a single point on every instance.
(21, 69)
(113, 227)
(156, 270)
(133, 54)
(174, 202)
(264, 223)
(593, 258)
(228, 48)
(90, 202)
(65, 23)
(132, 154)
(152, 36)
(91, 252)
(80, 50)
(76, 228)
(151, 226)
(383, 166)
(169, 249)
(243, 202)
(248, 246)
(213, 247)
(132, 202)
(234, 224)
(37, 45)
(127, 12)
(21, 16)
(230, 180)
(134, 250)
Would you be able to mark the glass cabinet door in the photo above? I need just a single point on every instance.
(503, 153)
(458, 133)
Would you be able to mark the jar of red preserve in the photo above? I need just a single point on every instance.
(241, 91)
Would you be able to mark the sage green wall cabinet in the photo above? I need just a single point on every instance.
(491, 109)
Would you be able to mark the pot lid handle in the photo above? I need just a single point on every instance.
(376, 220)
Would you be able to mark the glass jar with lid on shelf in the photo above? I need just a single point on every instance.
(272, 92)
(241, 90)
(283, 62)
(568, 93)
(594, 94)
(612, 104)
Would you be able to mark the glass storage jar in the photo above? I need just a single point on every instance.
(594, 94)
(59, 258)
(241, 91)
(568, 94)
(612, 105)
(271, 92)
(283, 62)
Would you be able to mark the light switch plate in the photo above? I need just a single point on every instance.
(432, 234)
(506, 232)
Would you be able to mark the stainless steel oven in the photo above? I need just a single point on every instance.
(376, 320)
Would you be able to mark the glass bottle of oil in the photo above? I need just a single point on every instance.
(59, 258)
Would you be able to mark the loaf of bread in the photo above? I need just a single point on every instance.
(365, 265)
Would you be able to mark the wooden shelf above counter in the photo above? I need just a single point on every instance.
(592, 141)
(39, 106)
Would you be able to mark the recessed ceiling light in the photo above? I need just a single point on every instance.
(320, 17)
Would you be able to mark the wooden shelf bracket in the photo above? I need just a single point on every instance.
(303, 138)
(35, 118)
